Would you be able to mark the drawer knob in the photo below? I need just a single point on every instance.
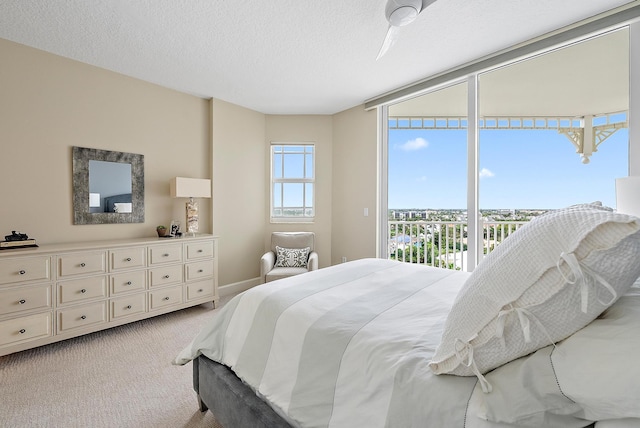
(166, 298)
(128, 283)
(22, 272)
(200, 251)
(128, 307)
(200, 290)
(83, 317)
(84, 290)
(200, 271)
(165, 255)
(128, 259)
(23, 331)
(22, 301)
(166, 277)
(82, 265)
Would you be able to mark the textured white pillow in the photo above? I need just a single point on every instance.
(291, 257)
(547, 280)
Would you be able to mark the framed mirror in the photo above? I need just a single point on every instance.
(108, 187)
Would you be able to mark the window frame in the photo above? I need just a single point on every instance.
(304, 181)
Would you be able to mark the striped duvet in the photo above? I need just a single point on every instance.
(344, 346)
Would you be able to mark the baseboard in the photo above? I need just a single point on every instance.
(238, 287)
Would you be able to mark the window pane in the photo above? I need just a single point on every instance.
(309, 166)
(549, 167)
(308, 201)
(292, 194)
(427, 167)
(277, 195)
(293, 165)
(277, 165)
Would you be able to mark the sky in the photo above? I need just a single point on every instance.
(518, 169)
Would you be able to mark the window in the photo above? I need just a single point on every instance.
(534, 129)
(292, 182)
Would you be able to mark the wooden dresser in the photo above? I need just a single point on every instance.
(55, 292)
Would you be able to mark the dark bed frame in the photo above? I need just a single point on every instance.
(233, 403)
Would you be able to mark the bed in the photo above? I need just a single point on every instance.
(364, 343)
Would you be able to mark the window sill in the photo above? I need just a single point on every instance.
(292, 221)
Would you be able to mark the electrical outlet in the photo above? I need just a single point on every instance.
(344, 259)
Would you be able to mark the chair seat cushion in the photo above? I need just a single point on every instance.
(284, 272)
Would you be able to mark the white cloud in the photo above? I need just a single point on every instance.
(422, 179)
(484, 172)
(411, 145)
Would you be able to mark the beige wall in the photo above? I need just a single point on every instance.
(239, 172)
(354, 184)
(305, 129)
(50, 104)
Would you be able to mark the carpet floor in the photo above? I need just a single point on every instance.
(121, 377)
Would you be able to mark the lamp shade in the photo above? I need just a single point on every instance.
(628, 195)
(181, 187)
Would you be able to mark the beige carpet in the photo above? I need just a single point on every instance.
(121, 377)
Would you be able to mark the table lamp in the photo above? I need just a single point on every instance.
(181, 187)
(628, 195)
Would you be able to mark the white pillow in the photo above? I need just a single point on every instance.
(291, 257)
(592, 375)
(122, 207)
(547, 280)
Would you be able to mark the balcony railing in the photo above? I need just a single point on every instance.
(442, 243)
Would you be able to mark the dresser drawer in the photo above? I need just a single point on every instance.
(24, 269)
(165, 297)
(82, 263)
(198, 250)
(79, 290)
(200, 289)
(199, 270)
(127, 306)
(127, 258)
(25, 299)
(159, 254)
(25, 328)
(165, 275)
(128, 281)
(82, 316)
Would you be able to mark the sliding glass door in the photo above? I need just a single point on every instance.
(552, 131)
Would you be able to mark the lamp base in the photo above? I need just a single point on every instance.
(192, 216)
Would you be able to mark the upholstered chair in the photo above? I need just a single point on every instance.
(289, 255)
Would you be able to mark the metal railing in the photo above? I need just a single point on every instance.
(442, 243)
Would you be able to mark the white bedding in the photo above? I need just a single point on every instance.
(349, 346)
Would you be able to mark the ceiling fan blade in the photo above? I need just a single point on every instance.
(389, 40)
(426, 3)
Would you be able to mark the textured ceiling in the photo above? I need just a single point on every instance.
(280, 56)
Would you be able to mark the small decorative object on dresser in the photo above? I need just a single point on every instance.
(162, 231)
(55, 292)
(17, 240)
(175, 229)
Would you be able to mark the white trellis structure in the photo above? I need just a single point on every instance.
(585, 133)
